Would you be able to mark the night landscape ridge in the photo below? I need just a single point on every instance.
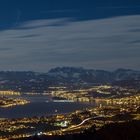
(103, 99)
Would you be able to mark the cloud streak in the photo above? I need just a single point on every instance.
(101, 44)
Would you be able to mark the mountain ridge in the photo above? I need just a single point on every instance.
(66, 76)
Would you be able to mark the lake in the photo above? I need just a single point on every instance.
(39, 107)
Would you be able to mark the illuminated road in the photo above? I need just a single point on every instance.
(79, 125)
(84, 121)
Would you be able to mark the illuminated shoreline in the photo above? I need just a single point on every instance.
(6, 102)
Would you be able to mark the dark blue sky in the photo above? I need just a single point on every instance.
(17, 11)
(41, 34)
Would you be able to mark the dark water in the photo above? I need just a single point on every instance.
(39, 107)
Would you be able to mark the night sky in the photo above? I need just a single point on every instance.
(41, 34)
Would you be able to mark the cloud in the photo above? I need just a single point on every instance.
(101, 44)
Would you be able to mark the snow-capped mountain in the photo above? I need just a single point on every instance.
(71, 76)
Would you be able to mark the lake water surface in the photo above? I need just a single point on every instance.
(39, 107)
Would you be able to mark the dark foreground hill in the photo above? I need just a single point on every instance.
(121, 131)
